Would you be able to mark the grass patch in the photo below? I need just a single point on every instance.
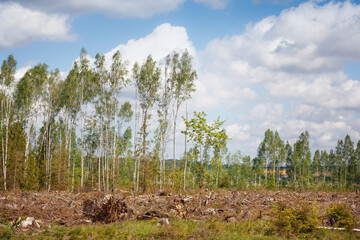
(178, 229)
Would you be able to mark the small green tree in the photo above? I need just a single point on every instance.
(342, 216)
(203, 134)
(294, 218)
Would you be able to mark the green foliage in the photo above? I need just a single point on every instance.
(8, 69)
(343, 217)
(294, 220)
(203, 136)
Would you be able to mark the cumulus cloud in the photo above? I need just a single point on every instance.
(116, 8)
(162, 41)
(309, 38)
(293, 66)
(23, 21)
(20, 26)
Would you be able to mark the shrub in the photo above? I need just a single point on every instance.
(342, 216)
(294, 220)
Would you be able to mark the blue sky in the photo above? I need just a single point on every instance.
(287, 65)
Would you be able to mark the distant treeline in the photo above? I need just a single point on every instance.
(337, 169)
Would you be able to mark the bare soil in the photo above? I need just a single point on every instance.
(71, 209)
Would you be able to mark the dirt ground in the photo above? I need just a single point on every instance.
(70, 209)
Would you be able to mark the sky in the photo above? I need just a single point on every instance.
(285, 65)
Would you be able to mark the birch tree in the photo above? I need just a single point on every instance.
(7, 77)
(51, 96)
(85, 94)
(118, 81)
(28, 98)
(164, 121)
(101, 80)
(70, 101)
(147, 78)
(182, 76)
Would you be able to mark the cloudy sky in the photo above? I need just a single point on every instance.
(287, 65)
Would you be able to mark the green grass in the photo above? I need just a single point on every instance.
(178, 229)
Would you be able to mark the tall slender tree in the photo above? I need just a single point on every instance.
(118, 81)
(183, 78)
(101, 76)
(51, 96)
(339, 159)
(301, 159)
(348, 163)
(164, 120)
(147, 78)
(316, 165)
(325, 165)
(7, 77)
(28, 97)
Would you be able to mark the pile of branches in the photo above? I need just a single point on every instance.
(106, 209)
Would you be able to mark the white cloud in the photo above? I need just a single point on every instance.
(322, 91)
(306, 39)
(267, 111)
(116, 8)
(23, 22)
(20, 26)
(237, 132)
(293, 65)
(164, 40)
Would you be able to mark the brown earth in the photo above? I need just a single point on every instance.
(70, 209)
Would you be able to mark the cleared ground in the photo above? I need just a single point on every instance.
(70, 209)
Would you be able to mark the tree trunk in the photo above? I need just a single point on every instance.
(107, 160)
(60, 160)
(144, 157)
(200, 178)
(135, 143)
(82, 151)
(174, 143)
(114, 152)
(100, 153)
(72, 175)
(185, 165)
(7, 117)
(49, 156)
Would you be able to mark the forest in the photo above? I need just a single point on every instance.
(80, 132)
